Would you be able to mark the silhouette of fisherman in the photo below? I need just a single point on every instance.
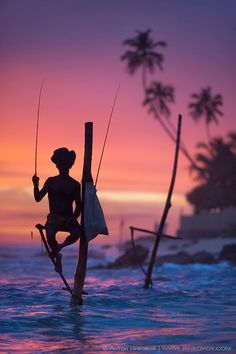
(63, 191)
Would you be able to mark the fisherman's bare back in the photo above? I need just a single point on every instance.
(62, 191)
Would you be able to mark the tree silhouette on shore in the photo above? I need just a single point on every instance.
(214, 165)
(206, 106)
(215, 175)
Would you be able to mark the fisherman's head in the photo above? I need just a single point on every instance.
(63, 159)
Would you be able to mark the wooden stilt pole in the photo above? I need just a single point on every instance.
(80, 273)
(166, 210)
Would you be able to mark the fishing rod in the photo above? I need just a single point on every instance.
(37, 132)
(107, 131)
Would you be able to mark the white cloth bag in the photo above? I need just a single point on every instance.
(94, 220)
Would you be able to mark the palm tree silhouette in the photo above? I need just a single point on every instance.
(206, 106)
(157, 97)
(143, 55)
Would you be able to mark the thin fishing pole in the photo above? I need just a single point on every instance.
(107, 131)
(37, 131)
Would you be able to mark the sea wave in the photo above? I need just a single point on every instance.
(187, 305)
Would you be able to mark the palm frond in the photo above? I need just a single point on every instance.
(205, 106)
(158, 96)
(142, 47)
(161, 43)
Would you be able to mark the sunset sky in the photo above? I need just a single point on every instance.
(76, 45)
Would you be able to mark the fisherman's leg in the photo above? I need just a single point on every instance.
(51, 231)
(75, 232)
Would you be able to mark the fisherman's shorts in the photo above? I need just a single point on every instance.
(61, 223)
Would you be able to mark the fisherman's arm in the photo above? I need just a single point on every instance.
(39, 194)
(77, 210)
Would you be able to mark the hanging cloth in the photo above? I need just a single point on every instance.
(94, 220)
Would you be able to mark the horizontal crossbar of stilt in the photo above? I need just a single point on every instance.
(155, 233)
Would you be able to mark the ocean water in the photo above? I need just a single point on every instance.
(191, 308)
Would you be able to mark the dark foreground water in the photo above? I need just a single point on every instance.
(190, 309)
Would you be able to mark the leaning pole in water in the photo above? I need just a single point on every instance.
(80, 273)
(148, 279)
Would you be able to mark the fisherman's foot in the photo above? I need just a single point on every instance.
(58, 263)
(53, 253)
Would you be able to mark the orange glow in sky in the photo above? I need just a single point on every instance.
(80, 62)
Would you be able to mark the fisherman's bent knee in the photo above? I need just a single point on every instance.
(74, 237)
(75, 232)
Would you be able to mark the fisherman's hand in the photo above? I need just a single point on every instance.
(35, 180)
